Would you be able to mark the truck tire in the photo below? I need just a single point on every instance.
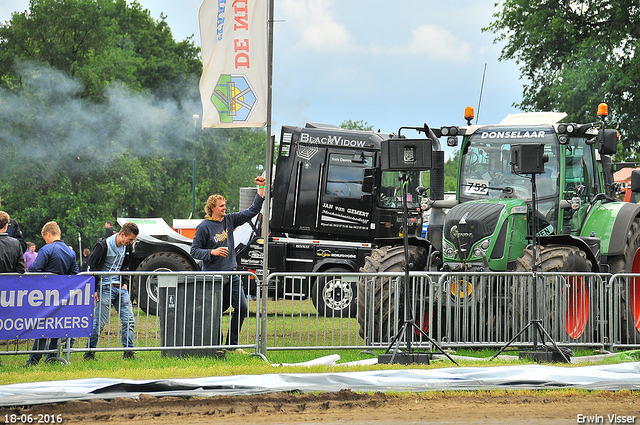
(334, 296)
(559, 258)
(376, 300)
(629, 262)
(147, 294)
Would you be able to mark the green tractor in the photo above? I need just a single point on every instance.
(580, 224)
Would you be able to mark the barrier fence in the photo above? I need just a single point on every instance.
(189, 313)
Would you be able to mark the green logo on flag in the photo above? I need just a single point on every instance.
(234, 98)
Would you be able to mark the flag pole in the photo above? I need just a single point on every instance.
(267, 193)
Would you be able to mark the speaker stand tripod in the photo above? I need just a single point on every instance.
(545, 353)
(408, 357)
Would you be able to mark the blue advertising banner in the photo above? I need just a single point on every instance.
(46, 306)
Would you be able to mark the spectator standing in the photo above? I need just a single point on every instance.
(85, 256)
(58, 258)
(14, 231)
(30, 255)
(108, 229)
(213, 244)
(113, 255)
(11, 259)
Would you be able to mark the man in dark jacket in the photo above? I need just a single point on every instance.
(108, 229)
(11, 259)
(214, 245)
(112, 255)
(85, 260)
(58, 258)
(14, 231)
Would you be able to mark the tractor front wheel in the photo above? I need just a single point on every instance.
(378, 296)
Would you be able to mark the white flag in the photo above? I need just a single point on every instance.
(233, 86)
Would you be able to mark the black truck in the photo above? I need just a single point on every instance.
(330, 202)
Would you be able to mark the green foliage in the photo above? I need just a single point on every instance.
(97, 42)
(234, 159)
(96, 104)
(356, 125)
(575, 55)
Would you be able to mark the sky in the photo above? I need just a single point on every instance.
(390, 64)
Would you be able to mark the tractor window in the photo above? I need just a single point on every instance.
(344, 177)
(391, 191)
(579, 167)
(486, 166)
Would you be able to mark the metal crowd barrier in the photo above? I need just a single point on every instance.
(490, 309)
(454, 309)
(624, 302)
(312, 311)
(187, 313)
(177, 314)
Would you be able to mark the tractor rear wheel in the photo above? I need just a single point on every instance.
(378, 296)
(558, 258)
(629, 262)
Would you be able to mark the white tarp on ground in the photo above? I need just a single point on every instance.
(601, 377)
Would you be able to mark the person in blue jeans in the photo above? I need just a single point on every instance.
(58, 258)
(213, 243)
(112, 255)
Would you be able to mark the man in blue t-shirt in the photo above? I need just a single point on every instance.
(214, 245)
(58, 258)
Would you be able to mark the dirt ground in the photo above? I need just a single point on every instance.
(353, 408)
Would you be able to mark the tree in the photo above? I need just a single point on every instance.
(356, 125)
(576, 54)
(98, 42)
(234, 157)
(96, 105)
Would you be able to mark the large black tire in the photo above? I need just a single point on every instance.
(558, 259)
(630, 295)
(146, 292)
(555, 258)
(376, 297)
(334, 296)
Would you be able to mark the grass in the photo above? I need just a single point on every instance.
(291, 328)
(151, 365)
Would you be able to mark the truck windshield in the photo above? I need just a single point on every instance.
(391, 189)
(345, 177)
(486, 165)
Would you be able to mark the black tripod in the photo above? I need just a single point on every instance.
(409, 324)
(536, 323)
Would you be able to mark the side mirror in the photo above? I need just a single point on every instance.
(608, 141)
(635, 181)
(368, 181)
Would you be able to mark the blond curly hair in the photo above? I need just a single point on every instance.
(212, 201)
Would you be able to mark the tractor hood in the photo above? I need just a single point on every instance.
(482, 232)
